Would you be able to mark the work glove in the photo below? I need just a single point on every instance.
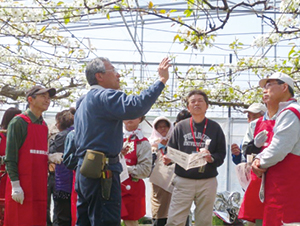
(261, 138)
(17, 193)
(2, 162)
(55, 157)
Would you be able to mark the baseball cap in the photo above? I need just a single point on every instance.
(256, 108)
(40, 90)
(278, 75)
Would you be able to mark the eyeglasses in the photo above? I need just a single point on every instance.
(115, 70)
(268, 85)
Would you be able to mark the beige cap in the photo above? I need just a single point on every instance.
(256, 108)
(278, 75)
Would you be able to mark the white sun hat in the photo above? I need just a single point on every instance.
(256, 108)
(278, 75)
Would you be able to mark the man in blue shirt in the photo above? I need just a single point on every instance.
(98, 126)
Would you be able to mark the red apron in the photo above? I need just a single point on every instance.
(2, 168)
(32, 168)
(3, 177)
(252, 208)
(134, 199)
(282, 196)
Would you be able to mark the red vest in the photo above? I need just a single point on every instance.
(2, 168)
(133, 199)
(32, 168)
(282, 193)
(252, 208)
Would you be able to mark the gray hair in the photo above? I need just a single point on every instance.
(95, 66)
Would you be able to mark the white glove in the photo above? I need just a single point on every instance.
(55, 157)
(17, 193)
(261, 138)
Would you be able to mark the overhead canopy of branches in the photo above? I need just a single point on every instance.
(33, 49)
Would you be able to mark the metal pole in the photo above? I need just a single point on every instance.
(142, 53)
(275, 47)
(228, 184)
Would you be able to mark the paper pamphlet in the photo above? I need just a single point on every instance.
(124, 174)
(162, 175)
(186, 161)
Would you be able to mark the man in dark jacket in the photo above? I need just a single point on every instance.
(98, 129)
(195, 185)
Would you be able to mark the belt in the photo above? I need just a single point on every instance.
(113, 160)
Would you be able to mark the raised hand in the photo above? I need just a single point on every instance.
(163, 70)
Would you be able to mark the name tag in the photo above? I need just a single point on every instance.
(38, 152)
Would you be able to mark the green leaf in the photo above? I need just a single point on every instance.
(188, 12)
(67, 20)
(107, 16)
(117, 7)
(162, 11)
(150, 5)
(176, 37)
(43, 29)
(292, 51)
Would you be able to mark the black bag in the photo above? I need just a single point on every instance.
(252, 149)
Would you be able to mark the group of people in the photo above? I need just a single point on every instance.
(98, 131)
(99, 150)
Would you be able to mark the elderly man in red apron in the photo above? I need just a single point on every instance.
(281, 159)
(26, 162)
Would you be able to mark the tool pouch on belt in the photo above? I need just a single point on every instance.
(106, 182)
(93, 164)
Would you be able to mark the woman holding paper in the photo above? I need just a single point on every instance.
(160, 198)
(137, 153)
(198, 185)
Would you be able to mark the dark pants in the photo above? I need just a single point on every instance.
(163, 222)
(63, 212)
(50, 190)
(92, 209)
(159, 222)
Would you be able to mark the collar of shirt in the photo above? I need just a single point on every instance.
(161, 146)
(97, 87)
(137, 132)
(283, 105)
(266, 117)
(33, 118)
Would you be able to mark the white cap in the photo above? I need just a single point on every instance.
(278, 75)
(256, 108)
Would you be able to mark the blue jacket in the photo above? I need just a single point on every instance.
(69, 158)
(99, 118)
